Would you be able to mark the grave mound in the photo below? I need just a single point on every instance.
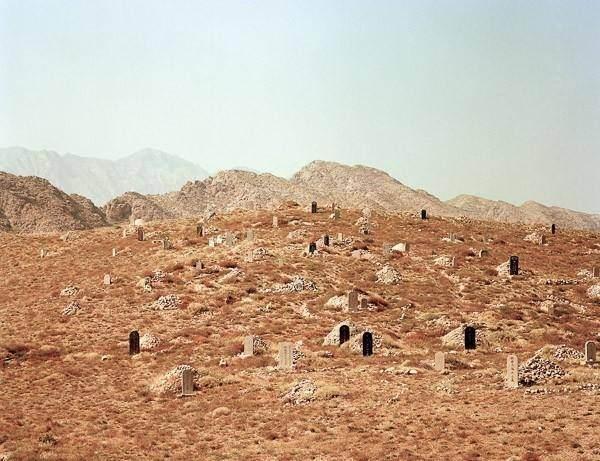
(300, 393)
(170, 382)
(388, 276)
(538, 369)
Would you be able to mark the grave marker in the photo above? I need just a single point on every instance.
(440, 362)
(514, 265)
(336, 213)
(166, 244)
(187, 383)
(542, 240)
(211, 242)
(249, 345)
(275, 221)
(285, 356)
(344, 334)
(140, 234)
(107, 279)
(43, 253)
(590, 352)
(367, 344)
(596, 272)
(199, 265)
(200, 230)
(364, 303)
(312, 247)
(512, 372)
(553, 229)
(387, 248)
(340, 237)
(134, 343)
(114, 252)
(326, 240)
(423, 214)
(352, 300)
(313, 207)
(470, 340)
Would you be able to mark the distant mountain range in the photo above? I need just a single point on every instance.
(147, 171)
(31, 204)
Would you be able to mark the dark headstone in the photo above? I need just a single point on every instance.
(134, 343)
(514, 265)
(313, 207)
(423, 214)
(199, 230)
(140, 234)
(553, 229)
(470, 341)
(367, 343)
(344, 334)
(326, 240)
(312, 247)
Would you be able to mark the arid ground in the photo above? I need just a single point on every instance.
(70, 390)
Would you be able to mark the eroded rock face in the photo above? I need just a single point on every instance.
(122, 208)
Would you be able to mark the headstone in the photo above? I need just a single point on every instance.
(187, 382)
(285, 356)
(340, 237)
(402, 247)
(387, 248)
(43, 253)
(312, 247)
(453, 261)
(364, 303)
(199, 265)
(326, 240)
(337, 213)
(140, 234)
(250, 235)
(439, 362)
(470, 340)
(134, 343)
(166, 244)
(553, 229)
(249, 345)
(367, 343)
(211, 242)
(344, 334)
(596, 272)
(452, 237)
(423, 214)
(107, 279)
(542, 240)
(200, 230)
(514, 265)
(313, 207)
(275, 221)
(352, 300)
(114, 252)
(512, 372)
(590, 352)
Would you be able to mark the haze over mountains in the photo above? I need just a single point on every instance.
(148, 171)
(30, 204)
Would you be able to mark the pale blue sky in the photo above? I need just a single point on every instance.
(494, 98)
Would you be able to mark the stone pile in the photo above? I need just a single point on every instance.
(564, 352)
(538, 369)
(297, 284)
(148, 342)
(300, 393)
(165, 303)
(71, 290)
(444, 261)
(388, 276)
(71, 309)
(594, 292)
(170, 382)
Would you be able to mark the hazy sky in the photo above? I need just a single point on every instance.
(494, 98)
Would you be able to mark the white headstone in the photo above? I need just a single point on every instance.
(286, 356)
(440, 362)
(512, 372)
(114, 252)
(249, 345)
(340, 237)
(352, 300)
(107, 279)
(211, 242)
(275, 221)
